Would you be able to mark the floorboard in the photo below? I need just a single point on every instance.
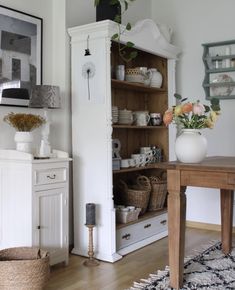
(120, 275)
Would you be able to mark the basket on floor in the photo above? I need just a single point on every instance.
(158, 193)
(23, 268)
(138, 194)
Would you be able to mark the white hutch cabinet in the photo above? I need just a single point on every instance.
(94, 92)
(34, 203)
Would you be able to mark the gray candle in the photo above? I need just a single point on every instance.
(90, 214)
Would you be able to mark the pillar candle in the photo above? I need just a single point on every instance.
(90, 214)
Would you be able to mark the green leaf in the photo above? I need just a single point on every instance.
(133, 54)
(115, 36)
(130, 44)
(126, 5)
(117, 18)
(183, 100)
(214, 101)
(215, 108)
(128, 26)
(177, 96)
(96, 2)
(113, 2)
(207, 108)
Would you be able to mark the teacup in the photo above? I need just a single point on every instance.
(145, 149)
(138, 159)
(125, 163)
(141, 118)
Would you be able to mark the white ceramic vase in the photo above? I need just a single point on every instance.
(156, 78)
(191, 146)
(24, 141)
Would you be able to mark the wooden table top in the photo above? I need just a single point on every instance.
(214, 163)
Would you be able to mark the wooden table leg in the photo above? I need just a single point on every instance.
(226, 201)
(176, 227)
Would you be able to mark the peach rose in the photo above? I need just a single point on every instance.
(187, 108)
(168, 117)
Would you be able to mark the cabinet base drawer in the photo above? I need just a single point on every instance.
(49, 176)
(136, 232)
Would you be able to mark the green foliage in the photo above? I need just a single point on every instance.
(124, 54)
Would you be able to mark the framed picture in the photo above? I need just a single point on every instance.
(20, 55)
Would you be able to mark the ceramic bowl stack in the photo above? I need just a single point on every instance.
(125, 117)
(114, 114)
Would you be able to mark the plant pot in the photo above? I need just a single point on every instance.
(106, 11)
(24, 141)
(191, 146)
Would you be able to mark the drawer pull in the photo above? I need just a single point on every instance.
(38, 227)
(126, 237)
(163, 222)
(51, 176)
(147, 226)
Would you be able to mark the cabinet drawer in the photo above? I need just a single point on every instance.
(139, 231)
(49, 176)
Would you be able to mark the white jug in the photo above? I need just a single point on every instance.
(156, 80)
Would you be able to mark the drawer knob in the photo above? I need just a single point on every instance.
(126, 237)
(163, 222)
(38, 227)
(51, 176)
(147, 226)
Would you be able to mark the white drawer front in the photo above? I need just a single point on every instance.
(50, 176)
(142, 230)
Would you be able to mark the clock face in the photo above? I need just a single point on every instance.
(88, 70)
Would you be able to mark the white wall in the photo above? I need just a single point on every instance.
(194, 23)
(55, 68)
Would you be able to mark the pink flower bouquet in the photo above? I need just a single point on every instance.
(192, 115)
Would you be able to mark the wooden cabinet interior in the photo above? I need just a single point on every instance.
(138, 97)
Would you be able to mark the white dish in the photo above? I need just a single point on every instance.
(224, 89)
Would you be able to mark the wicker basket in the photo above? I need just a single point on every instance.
(158, 193)
(23, 268)
(137, 195)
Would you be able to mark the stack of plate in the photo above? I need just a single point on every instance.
(125, 117)
(114, 114)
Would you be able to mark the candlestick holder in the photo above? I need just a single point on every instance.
(91, 262)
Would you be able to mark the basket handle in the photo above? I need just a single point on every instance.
(123, 186)
(143, 181)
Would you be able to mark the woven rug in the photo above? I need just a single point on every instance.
(210, 269)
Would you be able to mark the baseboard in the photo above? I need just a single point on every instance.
(204, 226)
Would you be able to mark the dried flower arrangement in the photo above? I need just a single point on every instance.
(24, 122)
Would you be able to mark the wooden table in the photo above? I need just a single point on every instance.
(213, 172)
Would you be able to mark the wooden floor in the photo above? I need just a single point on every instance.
(120, 275)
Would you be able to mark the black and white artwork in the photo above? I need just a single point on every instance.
(20, 50)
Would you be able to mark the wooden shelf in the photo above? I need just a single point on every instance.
(147, 215)
(139, 127)
(135, 86)
(133, 169)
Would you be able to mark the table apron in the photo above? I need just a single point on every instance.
(209, 179)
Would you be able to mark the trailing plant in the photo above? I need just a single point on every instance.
(122, 48)
(24, 122)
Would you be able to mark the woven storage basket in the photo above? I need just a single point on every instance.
(158, 193)
(23, 268)
(137, 195)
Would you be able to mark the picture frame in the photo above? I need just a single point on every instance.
(20, 55)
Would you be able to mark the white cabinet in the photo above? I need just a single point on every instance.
(94, 92)
(34, 203)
